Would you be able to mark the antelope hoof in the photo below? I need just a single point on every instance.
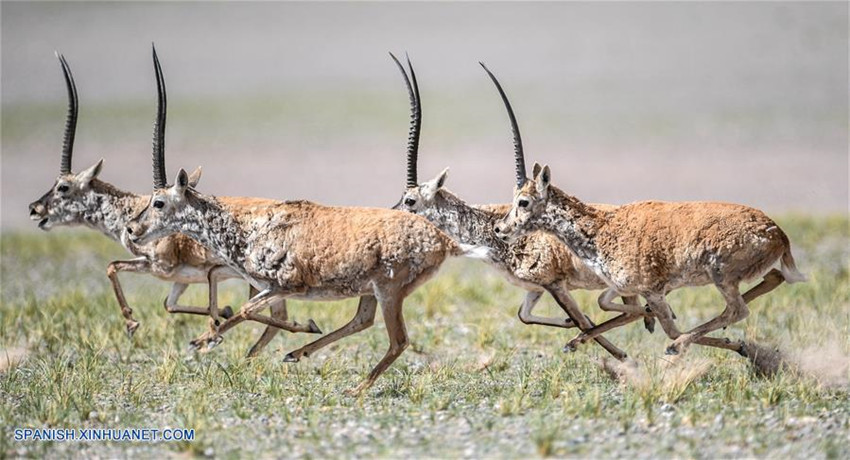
(314, 328)
(131, 328)
(290, 358)
(569, 347)
(649, 324)
(355, 392)
(675, 348)
(204, 342)
(213, 342)
(226, 312)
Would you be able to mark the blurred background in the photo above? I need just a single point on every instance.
(743, 102)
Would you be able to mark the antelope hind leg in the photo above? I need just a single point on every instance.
(771, 281)
(363, 319)
(736, 310)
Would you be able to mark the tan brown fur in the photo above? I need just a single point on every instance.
(669, 243)
(650, 248)
(542, 259)
(549, 261)
(537, 262)
(304, 250)
(344, 249)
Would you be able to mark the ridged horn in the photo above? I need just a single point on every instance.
(519, 156)
(159, 180)
(70, 119)
(415, 120)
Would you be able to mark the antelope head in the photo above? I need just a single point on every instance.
(159, 217)
(530, 196)
(416, 196)
(164, 213)
(64, 203)
(529, 201)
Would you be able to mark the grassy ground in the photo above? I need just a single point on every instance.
(475, 383)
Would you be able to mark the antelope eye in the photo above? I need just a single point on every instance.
(158, 204)
(409, 201)
(523, 203)
(62, 188)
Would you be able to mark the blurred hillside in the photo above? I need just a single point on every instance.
(744, 102)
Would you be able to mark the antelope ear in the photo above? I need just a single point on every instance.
(195, 177)
(430, 188)
(535, 170)
(441, 179)
(542, 178)
(86, 176)
(182, 182)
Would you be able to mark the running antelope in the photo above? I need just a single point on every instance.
(649, 248)
(303, 250)
(83, 199)
(538, 262)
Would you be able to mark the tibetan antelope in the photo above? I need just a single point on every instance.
(538, 262)
(649, 248)
(303, 250)
(83, 199)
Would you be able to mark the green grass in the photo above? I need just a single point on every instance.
(475, 382)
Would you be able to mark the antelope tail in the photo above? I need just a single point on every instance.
(789, 268)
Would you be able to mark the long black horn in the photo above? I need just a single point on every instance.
(519, 156)
(159, 127)
(70, 119)
(415, 121)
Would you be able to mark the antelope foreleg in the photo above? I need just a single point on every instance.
(249, 311)
(278, 310)
(171, 303)
(138, 265)
(566, 302)
(527, 317)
